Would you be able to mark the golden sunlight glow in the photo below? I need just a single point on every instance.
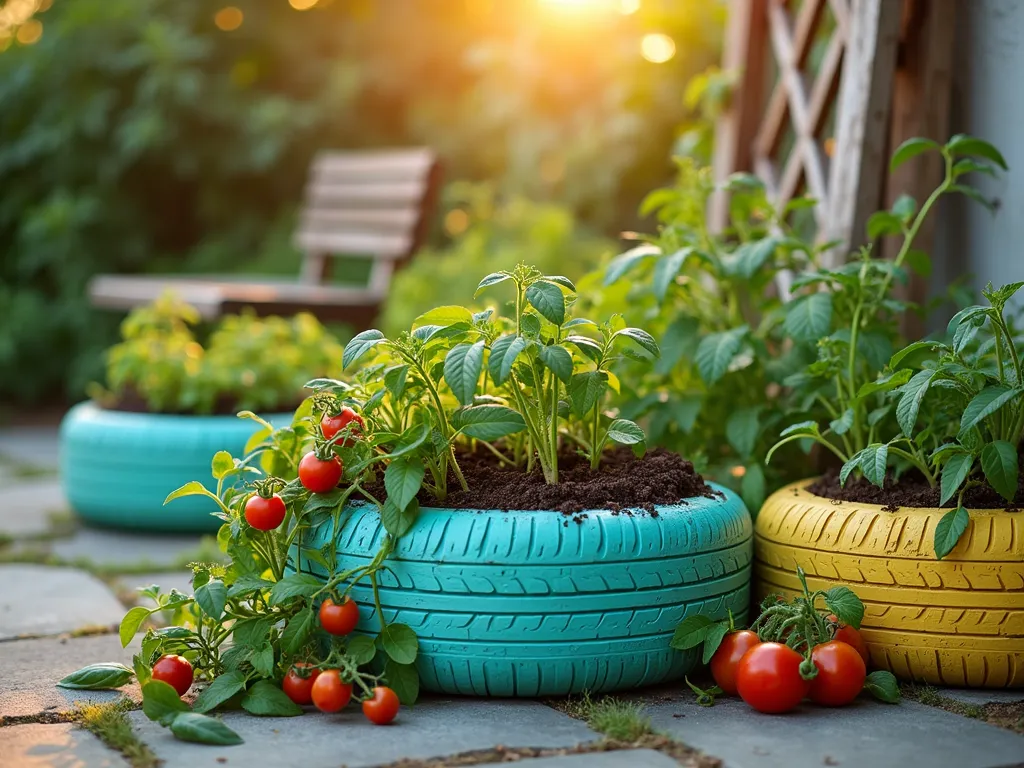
(580, 6)
(657, 48)
(228, 19)
(302, 5)
(30, 32)
(14, 13)
(456, 221)
(629, 7)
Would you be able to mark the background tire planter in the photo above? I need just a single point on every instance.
(956, 621)
(117, 467)
(529, 603)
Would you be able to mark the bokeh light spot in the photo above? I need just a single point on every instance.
(657, 47)
(629, 7)
(30, 32)
(456, 221)
(228, 19)
(302, 5)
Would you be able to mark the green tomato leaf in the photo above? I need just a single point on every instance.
(296, 632)
(403, 479)
(194, 488)
(561, 280)
(361, 649)
(131, 622)
(741, 430)
(624, 262)
(845, 604)
(492, 279)
(161, 702)
(716, 352)
(400, 643)
(262, 660)
(360, 344)
(949, 530)
(666, 269)
(912, 396)
(397, 521)
(873, 462)
(557, 360)
(954, 472)
(883, 686)
(203, 729)
(221, 465)
(295, 585)
(267, 700)
(642, 338)
(985, 403)
(848, 468)
(504, 351)
(843, 424)
(395, 380)
(462, 366)
(809, 318)
(404, 680)
(585, 389)
(625, 432)
(587, 346)
(715, 634)
(97, 677)
(882, 223)
(748, 259)
(691, 632)
(211, 598)
(962, 144)
(999, 463)
(220, 690)
(488, 422)
(911, 148)
(444, 316)
(913, 355)
(547, 299)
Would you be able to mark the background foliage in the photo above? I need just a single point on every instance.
(137, 136)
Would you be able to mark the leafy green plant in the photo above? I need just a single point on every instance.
(852, 314)
(248, 362)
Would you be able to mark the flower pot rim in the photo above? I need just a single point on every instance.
(802, 494)
(92, 405)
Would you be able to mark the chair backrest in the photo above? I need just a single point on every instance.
(372, 204)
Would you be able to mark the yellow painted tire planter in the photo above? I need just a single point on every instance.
(957, 621)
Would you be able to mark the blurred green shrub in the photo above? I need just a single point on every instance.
(248, 363)
(490, 233)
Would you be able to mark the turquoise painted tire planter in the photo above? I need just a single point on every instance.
(117, 468)
(534, 604)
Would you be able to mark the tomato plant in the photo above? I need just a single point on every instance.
(265, 513)
(332, 424)
(841, 674)
(175, 671)
(726, 659)
(768, 678)
(329, 693)
(320, 474)
(382, 708)
(339, 619)
(298, 683)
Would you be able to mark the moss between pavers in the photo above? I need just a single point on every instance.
(1008, 716)
(109, 723)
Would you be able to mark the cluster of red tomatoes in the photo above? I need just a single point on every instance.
(319, 471)
(767, 675)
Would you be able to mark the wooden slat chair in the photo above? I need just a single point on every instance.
(372, 204)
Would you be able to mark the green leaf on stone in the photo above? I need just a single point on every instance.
(883, 686)
(203, 729)
(267, 700)
(160, 702)
(97, 677)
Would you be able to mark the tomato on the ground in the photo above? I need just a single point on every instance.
(264, 514)
(332, 425)
(298, 688)
(768, 678)
(841, 673)
(727, 658)
(329, 693)
(339, 619)
(319, 476)
(383, 707)
(850, 636)
(174, 670)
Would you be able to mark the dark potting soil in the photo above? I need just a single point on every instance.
(911, 490)
(622, 483)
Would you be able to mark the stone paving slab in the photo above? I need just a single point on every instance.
(866, 733)
(43, 600)
(981, 696)
(434, 727)
(30, 446)
(119, 549)
(26, 506)
(52, 746)
(30, 669)
(625, 758)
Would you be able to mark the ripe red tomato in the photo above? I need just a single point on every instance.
(332, 425)
(175, 671)
(319, 476)
(768, 678)
(850, 636)
(841, 673)
(264, 514)
(298, 688)
(727, 658)
(383, 707)
(339, 619)
(329, 693)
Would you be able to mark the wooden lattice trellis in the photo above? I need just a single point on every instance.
(825, 129)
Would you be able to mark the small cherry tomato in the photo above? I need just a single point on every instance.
(841, 673)
(264, 514)
(339, 619)
(332, 425)
(298, 688)
(383, 707)
(768, 678)
(727, 658)
(329, 693)
(175, 671)
(850, 636)
(319, 476)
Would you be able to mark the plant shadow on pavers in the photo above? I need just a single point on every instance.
(42, 600)
(60, 744)
(30, 669)
(865, 733)
(435, 727)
